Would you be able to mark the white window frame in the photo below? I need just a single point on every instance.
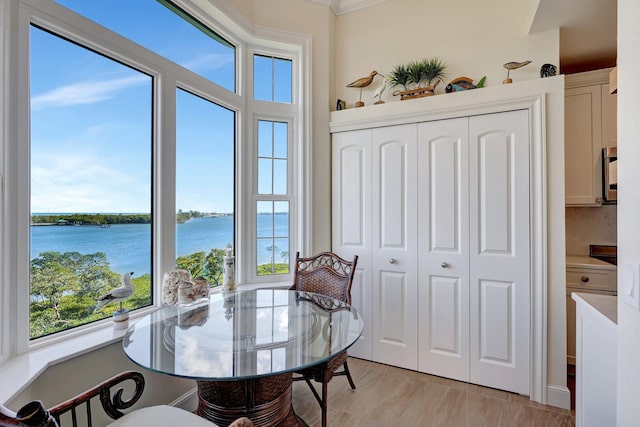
(16, 17)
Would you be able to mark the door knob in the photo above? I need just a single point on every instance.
(444, 265)
(392, 260)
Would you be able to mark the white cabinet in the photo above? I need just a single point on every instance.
(590, 125)
(596, 359)
(449, 244)
(599, 279)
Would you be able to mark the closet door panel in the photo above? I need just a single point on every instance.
(394, 245)
(500, 291)
(443, 248)
(351, 218)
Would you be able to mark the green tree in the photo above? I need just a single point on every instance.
(52, 277)
(214, 268)
(194, 262)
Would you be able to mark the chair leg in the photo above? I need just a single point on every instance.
(346, 370)
(324, 404)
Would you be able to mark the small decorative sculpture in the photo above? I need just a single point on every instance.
(340, 105)
(513, 66)
(170, 282)
(362, 83)
(120, 316)
(463, 83)
(378, 93)
(548, 70)
(228, 280)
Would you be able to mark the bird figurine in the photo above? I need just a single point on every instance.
(378, 93)
(118, 294)
(362, 83)
(463, 83)
(513, 66)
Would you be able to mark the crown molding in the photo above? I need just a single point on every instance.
(341, 7)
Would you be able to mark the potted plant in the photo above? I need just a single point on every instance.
(418, 78)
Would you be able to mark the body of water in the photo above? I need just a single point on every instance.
(128, 246)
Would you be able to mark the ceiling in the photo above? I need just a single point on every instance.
(588, 32)
(588, 29)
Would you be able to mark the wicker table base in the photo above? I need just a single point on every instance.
(266, 401)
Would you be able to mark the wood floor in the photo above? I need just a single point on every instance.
(388, 396)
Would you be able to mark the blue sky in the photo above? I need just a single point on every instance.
(91, 128)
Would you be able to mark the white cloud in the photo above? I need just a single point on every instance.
(206, 62)
(86, 92)
(81, 182)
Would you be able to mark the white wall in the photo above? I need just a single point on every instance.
(474, 38)
(628, 207)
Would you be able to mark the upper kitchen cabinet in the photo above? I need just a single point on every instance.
(590, 125)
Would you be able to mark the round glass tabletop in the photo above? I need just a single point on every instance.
(243, 334)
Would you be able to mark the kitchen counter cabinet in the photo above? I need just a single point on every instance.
(590, 276)
(596, 361)
(590, 125)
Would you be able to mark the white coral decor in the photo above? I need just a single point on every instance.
(170, 282)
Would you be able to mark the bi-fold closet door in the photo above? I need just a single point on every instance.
(473, 242)
(438, 213)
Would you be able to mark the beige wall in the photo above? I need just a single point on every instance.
(65, 380)
(473, 38)
(628, 207)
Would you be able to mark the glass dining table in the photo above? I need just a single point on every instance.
(242, 347)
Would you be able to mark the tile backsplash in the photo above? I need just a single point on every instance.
(590, 226)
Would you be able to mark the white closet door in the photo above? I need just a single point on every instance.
(351, 218)
(499, 250)
(394, 245)
(443, 248)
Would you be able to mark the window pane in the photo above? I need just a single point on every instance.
(265, 220)
(262, 78)
(265, 138)
(279, 177)
(91, 146)
(167, 31)
(205, 141)
(265, 176)
(282, 80)
(280, 138)
(273, 240)
(272, 79)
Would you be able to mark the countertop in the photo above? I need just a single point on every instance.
(602, 305)
(577, 261)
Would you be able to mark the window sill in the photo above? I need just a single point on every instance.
(18, 372)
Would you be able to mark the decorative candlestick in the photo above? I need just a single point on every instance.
(228, 281)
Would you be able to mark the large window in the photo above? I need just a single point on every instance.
(90, 183)
(125, 158)
(205, 142)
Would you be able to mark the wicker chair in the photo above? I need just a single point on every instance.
(34, 413)
(328, 274)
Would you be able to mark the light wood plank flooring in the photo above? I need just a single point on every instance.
(389, 396)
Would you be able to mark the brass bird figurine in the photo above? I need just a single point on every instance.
(513, 66)
(362, 83)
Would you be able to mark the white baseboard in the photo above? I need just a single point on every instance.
(559, 396)
(188, 401)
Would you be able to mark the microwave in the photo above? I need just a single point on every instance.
(610, 175)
